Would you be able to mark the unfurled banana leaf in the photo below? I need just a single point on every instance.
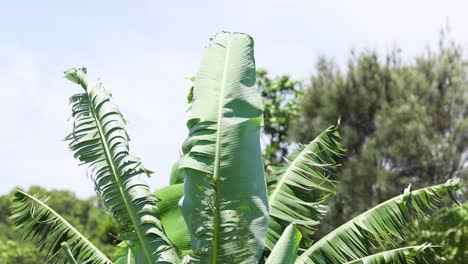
(303, 185)
(225, 202)
(99, 139)
(377, 226)
(40, 223)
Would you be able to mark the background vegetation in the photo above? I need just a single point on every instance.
(401, 121)
(87, 215)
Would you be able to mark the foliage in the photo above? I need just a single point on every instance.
(222, 157)
(448, 229)
(281, 97)
(52, 231)
(87, 215)
(378, 225)
(14, 252)
(225, 201)
(99, 139)
(299, 189)
(401, 122)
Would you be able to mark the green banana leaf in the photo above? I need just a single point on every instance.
(225, 202)
(100, 140)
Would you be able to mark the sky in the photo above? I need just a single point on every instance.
(143, 51)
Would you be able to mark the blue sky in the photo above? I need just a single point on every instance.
(144, 50)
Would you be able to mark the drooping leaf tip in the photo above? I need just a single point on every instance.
(77, 76)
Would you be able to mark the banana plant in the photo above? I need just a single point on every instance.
(220, 206)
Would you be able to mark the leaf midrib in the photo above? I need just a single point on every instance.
(387, 251)
(217, 153)
(117, 179)
(345, 225)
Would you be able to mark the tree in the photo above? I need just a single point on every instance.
(402, 122)
(230, 214)
(11, 252)
(281, 96)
